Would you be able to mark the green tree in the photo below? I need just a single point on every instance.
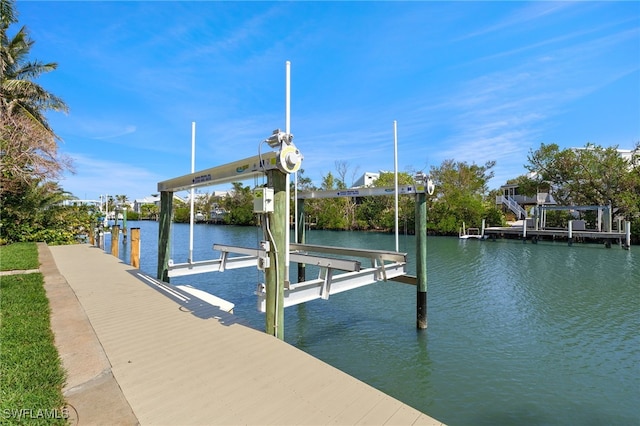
(378, 212)
(31, 202)
(149, 211)
(592, 175)
(29, 145)
(20, 94)
(330, 213)
(460, 195)
(37, 213)
(181, 211)
(239, 204)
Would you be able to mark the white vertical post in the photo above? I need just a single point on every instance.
(193, 169)
(570, 232)
(106, 211)
(395, 172)
(287, 130)
(627, 229)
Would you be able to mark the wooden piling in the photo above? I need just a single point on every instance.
(421, 260)
(275, 275)
(115, 239)
(164, 234)
(135, 247)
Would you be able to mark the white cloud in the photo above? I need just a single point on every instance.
(97, 177)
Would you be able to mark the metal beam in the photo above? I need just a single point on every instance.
(362, 192)
(307, 259)
(215, 265)
(549, 207)
(365, 253)
(230, 172)
(321, 288)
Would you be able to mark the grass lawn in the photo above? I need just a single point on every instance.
(31, 373)
(19, 256)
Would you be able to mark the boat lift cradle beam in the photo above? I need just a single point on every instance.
(327, 282)
(251, 258)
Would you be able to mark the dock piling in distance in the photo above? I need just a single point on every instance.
(627, 229)
(570, 235)
(135, 247)
(115, 238)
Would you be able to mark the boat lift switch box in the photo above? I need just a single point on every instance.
(263, 200)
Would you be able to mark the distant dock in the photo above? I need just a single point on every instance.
(622, 238)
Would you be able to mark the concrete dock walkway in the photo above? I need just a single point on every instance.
(136, 356)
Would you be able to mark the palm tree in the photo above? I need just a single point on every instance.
(20, 95)
(28, 145)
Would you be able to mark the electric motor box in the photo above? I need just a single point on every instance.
(263, 200)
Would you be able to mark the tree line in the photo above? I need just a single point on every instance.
(31, 207)
(592, 175)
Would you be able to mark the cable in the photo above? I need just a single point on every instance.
(275, 250)
(260, 156)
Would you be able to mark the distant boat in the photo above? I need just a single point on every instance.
(199, 217)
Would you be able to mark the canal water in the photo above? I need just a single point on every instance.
(519, 334)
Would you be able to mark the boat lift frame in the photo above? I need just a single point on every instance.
(385, 265)
(277, 292)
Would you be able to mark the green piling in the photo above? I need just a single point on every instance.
(164, 234)
(421, 260)
(275, 275)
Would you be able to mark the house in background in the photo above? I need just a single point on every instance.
(517, 203)
(367, 179)
(152, 199)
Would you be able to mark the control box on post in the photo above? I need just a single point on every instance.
(263, 200)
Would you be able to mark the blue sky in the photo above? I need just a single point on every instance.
(470, 81)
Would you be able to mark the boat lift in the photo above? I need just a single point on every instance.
(275, 252)
(384, 265)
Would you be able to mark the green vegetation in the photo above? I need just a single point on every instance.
(36, 214)
(31, 373)
(592, 175)
(31, 202)
(239, 205)
(19, 256)
(461, 195)
(589, 176)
